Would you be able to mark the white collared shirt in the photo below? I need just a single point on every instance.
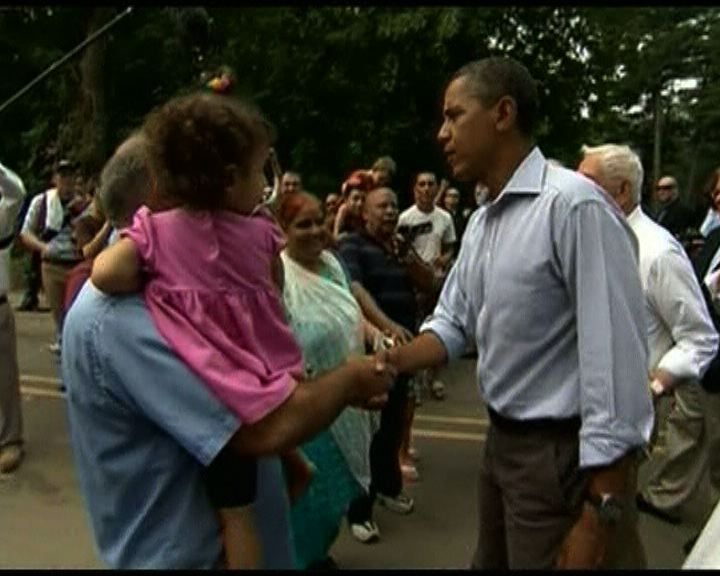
(547, 285)
(12, 192)
(681, 336)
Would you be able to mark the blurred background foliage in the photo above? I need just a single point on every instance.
(344, 85)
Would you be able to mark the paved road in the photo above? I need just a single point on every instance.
(43, 524)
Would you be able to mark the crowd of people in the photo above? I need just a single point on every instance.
(242, 359)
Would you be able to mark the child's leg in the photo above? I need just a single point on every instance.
(240, 541)
(298, 472)
(231, 483)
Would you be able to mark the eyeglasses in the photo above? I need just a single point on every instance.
(665, 187)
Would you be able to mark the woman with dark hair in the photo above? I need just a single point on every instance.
(712, 192)
(349, 216)
(449, 200)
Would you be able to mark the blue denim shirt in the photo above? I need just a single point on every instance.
(142, 428)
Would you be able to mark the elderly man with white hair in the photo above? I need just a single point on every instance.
(681, 337)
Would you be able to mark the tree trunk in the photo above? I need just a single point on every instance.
(93, 113)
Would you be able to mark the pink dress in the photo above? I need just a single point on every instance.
(210, 294)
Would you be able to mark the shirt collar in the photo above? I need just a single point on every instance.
(635, 216)
(528, 177)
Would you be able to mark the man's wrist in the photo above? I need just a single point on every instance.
(607, 507)
(590, 519)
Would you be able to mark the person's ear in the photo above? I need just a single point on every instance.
(505, 113)
(625, 191)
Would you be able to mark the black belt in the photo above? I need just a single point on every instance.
(505, 424)
(3, 299)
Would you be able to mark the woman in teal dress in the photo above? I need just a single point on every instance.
(329, 327)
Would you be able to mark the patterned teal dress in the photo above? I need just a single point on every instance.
(328, 326)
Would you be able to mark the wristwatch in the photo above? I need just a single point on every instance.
(608, 507)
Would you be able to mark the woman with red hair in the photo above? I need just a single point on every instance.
(349, 216)
(329, 327)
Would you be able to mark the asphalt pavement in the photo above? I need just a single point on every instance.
(43, 522)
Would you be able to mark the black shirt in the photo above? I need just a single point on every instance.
(675, 217)
(382, 275)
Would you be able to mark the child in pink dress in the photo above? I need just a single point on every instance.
(206, 266)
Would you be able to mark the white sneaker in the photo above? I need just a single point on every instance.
(366, 532)
(438, 389)
(400, 504)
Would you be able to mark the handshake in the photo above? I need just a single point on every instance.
(372, 376)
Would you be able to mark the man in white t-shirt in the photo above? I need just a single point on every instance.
(436, 244)
(431, 232)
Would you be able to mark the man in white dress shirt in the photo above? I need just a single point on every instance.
(681, 337)
(12, 193)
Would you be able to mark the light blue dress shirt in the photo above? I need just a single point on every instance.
(547, 285)
(142, 428)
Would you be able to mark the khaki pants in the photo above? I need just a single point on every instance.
(10, 408)
(688, 450)
(53, 277)
(531, 493)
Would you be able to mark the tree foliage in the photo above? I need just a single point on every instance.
(346, 84)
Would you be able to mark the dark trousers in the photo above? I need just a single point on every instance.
(386, 476)
(32, 278)
(531, 493)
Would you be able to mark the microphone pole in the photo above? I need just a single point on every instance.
(55, 65)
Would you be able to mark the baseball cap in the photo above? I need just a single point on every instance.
(65, 165)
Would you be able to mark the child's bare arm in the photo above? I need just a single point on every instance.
(116, 270)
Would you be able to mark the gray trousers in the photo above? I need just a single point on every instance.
(531, 493)
(687, 451)
(10, 409)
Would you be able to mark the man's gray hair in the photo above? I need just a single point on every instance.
(125, 181)
(619, 162)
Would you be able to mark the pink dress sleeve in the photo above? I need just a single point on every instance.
(142, 233)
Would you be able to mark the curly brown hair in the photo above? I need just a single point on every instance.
(199, 142)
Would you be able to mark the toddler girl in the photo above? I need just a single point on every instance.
(206, 264)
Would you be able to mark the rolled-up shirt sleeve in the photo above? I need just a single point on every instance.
(453, 321)
(31, 216)
(601, 271)
(12, 193)
(674, 292)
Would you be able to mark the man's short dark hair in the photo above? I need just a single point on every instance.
(422, 172)
(495, 77)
